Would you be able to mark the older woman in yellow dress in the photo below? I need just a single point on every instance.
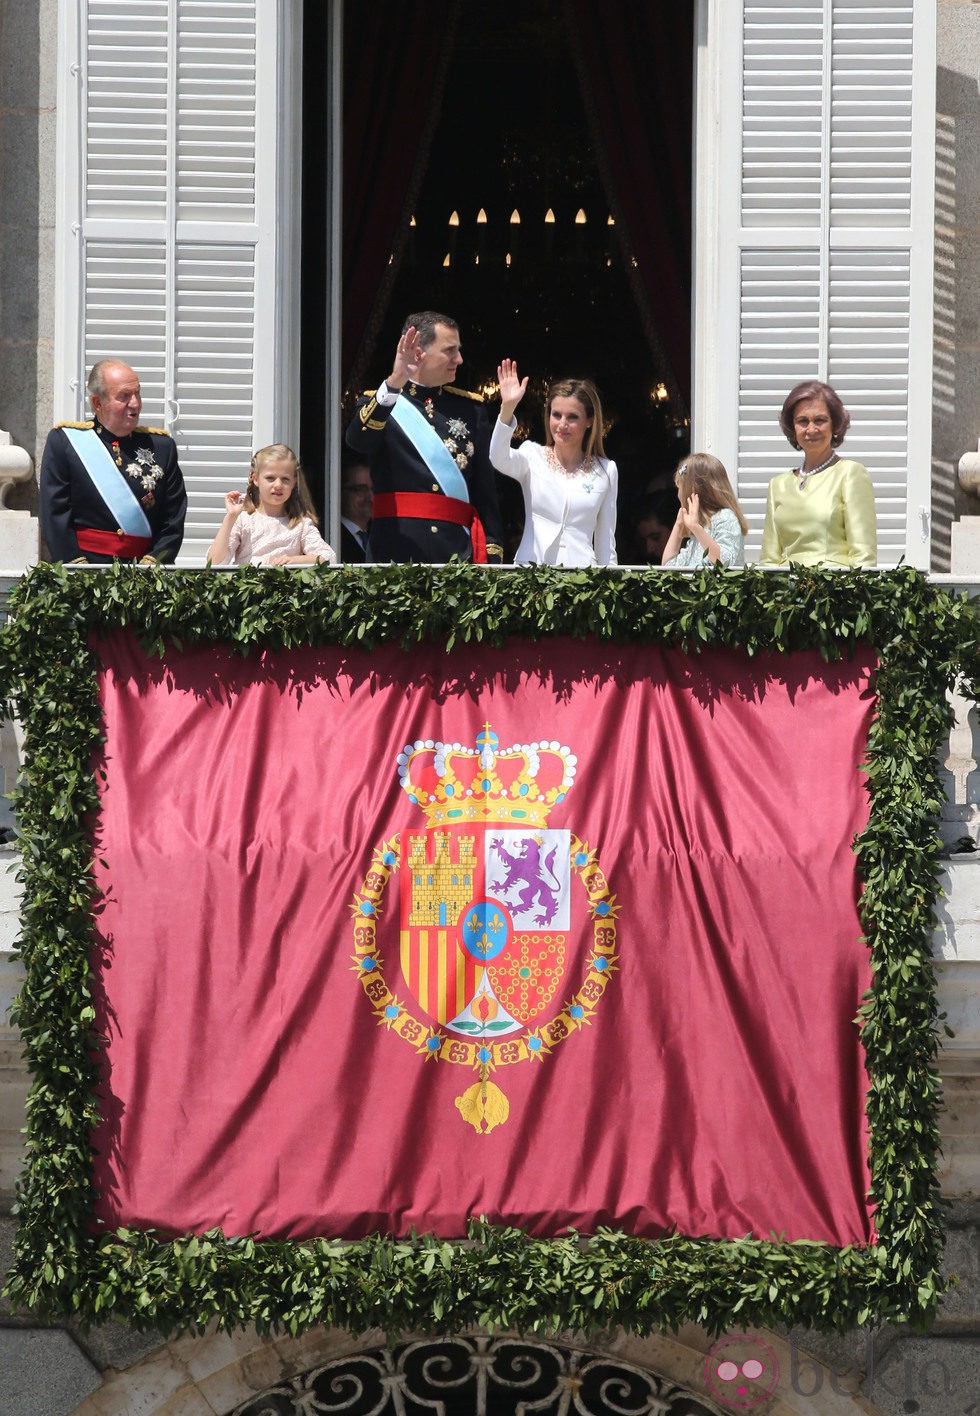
(822, 512)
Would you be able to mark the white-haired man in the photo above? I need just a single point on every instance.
(110, 488)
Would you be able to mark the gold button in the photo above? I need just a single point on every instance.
(435, 486)
(433, 529)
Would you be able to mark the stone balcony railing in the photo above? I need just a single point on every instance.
(957, 950)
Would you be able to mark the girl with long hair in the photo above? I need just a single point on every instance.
(710, 526)
(273, 521)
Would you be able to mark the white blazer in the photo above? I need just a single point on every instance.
(567, 520)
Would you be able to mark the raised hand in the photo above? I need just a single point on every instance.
(512, 388)
(408, 359)
(691, 513)
(218, 550)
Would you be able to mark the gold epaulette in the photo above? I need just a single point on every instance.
(463, 392)
(89, 424)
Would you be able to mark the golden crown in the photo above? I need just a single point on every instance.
(515, 785)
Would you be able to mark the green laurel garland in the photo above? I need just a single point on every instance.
(925, 637)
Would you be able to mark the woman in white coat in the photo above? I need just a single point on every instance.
(569, 486)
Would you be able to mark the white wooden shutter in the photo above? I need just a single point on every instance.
(174, 225)
(815, 169)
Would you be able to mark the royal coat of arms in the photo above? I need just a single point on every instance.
(492, 967)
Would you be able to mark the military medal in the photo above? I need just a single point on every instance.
(147, 472)
(459, 434)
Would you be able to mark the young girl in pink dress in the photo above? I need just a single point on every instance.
(279, 525)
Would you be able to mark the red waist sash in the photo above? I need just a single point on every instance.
(113, 543)
(429, 506)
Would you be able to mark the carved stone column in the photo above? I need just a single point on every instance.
(19, 530)
(965, 533)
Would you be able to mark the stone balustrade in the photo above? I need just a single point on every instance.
(19, 530)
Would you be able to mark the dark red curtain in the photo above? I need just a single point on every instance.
(635, 70)
(635, 63)
(394, 64)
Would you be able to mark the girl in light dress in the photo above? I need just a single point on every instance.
(279, 525)
(569, 486)
(710, 526)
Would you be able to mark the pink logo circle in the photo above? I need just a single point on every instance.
(741, 1371)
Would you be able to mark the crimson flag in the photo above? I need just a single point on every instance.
(562, 934)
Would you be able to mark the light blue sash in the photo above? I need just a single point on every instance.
(105, 478)
(431, 448)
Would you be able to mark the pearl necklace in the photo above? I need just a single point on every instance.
(804, 476)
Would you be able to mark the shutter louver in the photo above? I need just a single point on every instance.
(781, 115)
(868, 364)
(126, 106)
(126, 309)
(216, 111)
(780, 324)
(214, 361)
(825, 238)
(871, 115)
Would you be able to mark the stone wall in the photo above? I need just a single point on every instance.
(28, 69)
(956, 360)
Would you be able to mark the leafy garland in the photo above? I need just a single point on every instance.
(924, 637)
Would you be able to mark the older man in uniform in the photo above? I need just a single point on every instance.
(427, 443)
(110, 489)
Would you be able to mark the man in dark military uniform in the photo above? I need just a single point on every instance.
(427, 443)
(110, 489)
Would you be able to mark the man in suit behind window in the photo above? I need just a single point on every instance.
(356, 501)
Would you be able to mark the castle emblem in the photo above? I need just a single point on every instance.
(506, 926)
